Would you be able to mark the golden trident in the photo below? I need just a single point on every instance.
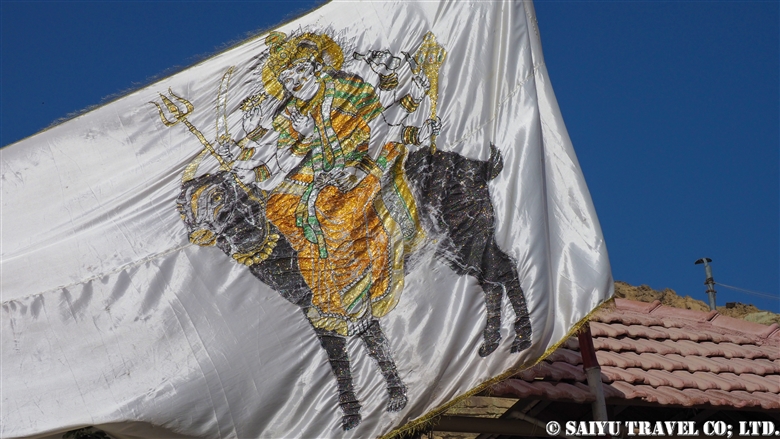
(429, 58)
(180, 115)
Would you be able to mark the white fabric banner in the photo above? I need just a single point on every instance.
(329, 230)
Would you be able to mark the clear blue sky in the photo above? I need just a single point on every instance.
(673, 108)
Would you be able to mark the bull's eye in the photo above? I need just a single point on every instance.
(216, 197)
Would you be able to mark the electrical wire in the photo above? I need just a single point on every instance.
(755, 293)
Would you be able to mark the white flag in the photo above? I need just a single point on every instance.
(333, 229)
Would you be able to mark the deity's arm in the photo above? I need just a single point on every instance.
(257, 161)
(399, 110)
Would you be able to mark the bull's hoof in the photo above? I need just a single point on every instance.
(397, 399)
(492, 337)
(488, 347)
(520, 344)
(349, 422)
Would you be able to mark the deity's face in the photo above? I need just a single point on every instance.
(300, 79)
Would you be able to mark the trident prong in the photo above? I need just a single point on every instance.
(181, 116)
(173, 108)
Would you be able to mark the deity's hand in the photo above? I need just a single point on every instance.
(225, 144)
(337, 178)
(420, 87)
(431, 127)
(347, 182)
(382, 62)
(303, 124)
(323, 179)
(258, 113)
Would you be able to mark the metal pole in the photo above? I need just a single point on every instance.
(593, 371)
(709, 281)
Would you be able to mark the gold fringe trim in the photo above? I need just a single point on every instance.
(429, 419)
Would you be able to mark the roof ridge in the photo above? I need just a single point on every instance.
(714, 318)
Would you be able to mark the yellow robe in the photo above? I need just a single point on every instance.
(350, 250)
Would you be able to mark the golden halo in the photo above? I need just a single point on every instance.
(285, 52)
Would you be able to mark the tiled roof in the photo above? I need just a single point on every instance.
(657, 354)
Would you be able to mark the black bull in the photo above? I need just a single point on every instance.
(453, 202)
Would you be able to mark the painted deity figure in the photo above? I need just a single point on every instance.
(342, 199)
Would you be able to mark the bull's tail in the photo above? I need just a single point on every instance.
(495, 163)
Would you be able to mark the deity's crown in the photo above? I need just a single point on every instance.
(284, 52)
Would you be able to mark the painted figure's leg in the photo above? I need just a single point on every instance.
(336, 348)
(379, 349)
(522, 321)
(501, 270)
(492, 331)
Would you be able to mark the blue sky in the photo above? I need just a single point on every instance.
(673, 109)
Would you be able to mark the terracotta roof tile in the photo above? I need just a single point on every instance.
(771, 352)
(636, 358)
(691, 363)
(572, 344)
(656, 380)
(665, 347)
(689, 348)
(642, 332)
(721, 382)
(627, 317)
(750, 351)
(743, 326)
(637, 307)
(607, 330)
(676, 397)
(733, 337)
(755, 383)
(758, 367)
(611, 392)
(628, 390)
(769, 401)
(688, 379)
(732, 400)
(518, 388)
(696, 395)
(706, 397)
(641, 320)
(612, 344)
(672, 347)
(651, 346)
(665, 396)
(681, 334)
(669, 379)
(607, 358)
(718, 349)
(648, 362)
(772, 382)
(665, 356)
(771, 366)
(668, 312)
(530, 374)
(566, 355)
(563, 392)
(748, 397)
(580, 393)
(629, 375)
(561, 371)
(662, 362)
